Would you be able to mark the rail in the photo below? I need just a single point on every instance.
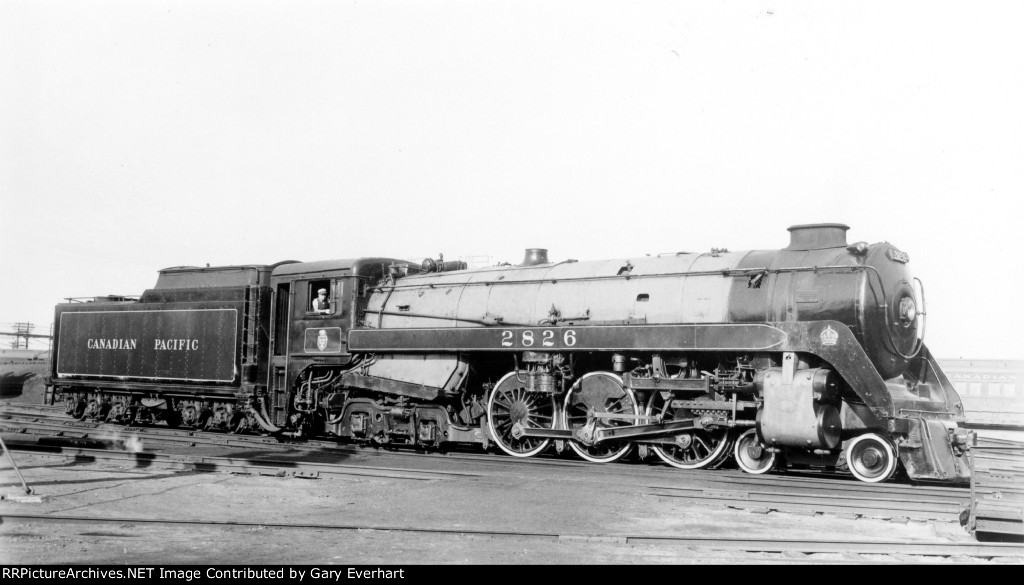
(720, 543)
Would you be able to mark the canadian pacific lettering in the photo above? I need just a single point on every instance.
(176, 344)
(158, 344)
(111, 343)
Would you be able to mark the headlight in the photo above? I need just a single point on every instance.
(908, 310)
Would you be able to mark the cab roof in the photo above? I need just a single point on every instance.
(322, 266)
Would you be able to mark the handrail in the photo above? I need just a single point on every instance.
(728, 272)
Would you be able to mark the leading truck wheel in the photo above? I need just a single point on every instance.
(871, 458)
(511, 403)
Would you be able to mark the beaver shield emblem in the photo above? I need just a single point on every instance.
(321, 340)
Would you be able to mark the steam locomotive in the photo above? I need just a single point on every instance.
(812, 355)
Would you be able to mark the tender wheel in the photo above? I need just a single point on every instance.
(237, 424)
(189, 416)
(205, 422)
(173, 418)
(751, 455)
(116, 412)
(509, 404)
(693, 450)
(78, 409)
(599, 392)
(871, 458)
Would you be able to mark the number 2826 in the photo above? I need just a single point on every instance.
(540, 338)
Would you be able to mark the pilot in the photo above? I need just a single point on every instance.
(320, 303)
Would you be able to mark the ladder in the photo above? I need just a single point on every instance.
(250, 332)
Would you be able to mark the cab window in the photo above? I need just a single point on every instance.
(321, 298)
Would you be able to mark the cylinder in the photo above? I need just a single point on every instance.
(794, 414)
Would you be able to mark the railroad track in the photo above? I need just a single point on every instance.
(923, 551)
(52, 418)
(730, 488)
(209, 463)
(38, 415)
(47, 431)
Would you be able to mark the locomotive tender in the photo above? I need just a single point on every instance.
(812, 355)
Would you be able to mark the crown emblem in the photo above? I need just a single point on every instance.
(829, 336)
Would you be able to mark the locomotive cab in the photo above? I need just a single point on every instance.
(315, 305)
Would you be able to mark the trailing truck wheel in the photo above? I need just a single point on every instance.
(509, 404)
(871, 458)
(751, 455)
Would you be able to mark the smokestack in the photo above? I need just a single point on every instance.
(535, 256)
(817, 236)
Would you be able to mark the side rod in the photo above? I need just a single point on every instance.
(633, 432)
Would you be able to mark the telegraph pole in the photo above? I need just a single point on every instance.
(23, 331)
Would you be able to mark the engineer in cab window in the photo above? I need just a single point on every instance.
(320, 303)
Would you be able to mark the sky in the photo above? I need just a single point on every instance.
(138, 135)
